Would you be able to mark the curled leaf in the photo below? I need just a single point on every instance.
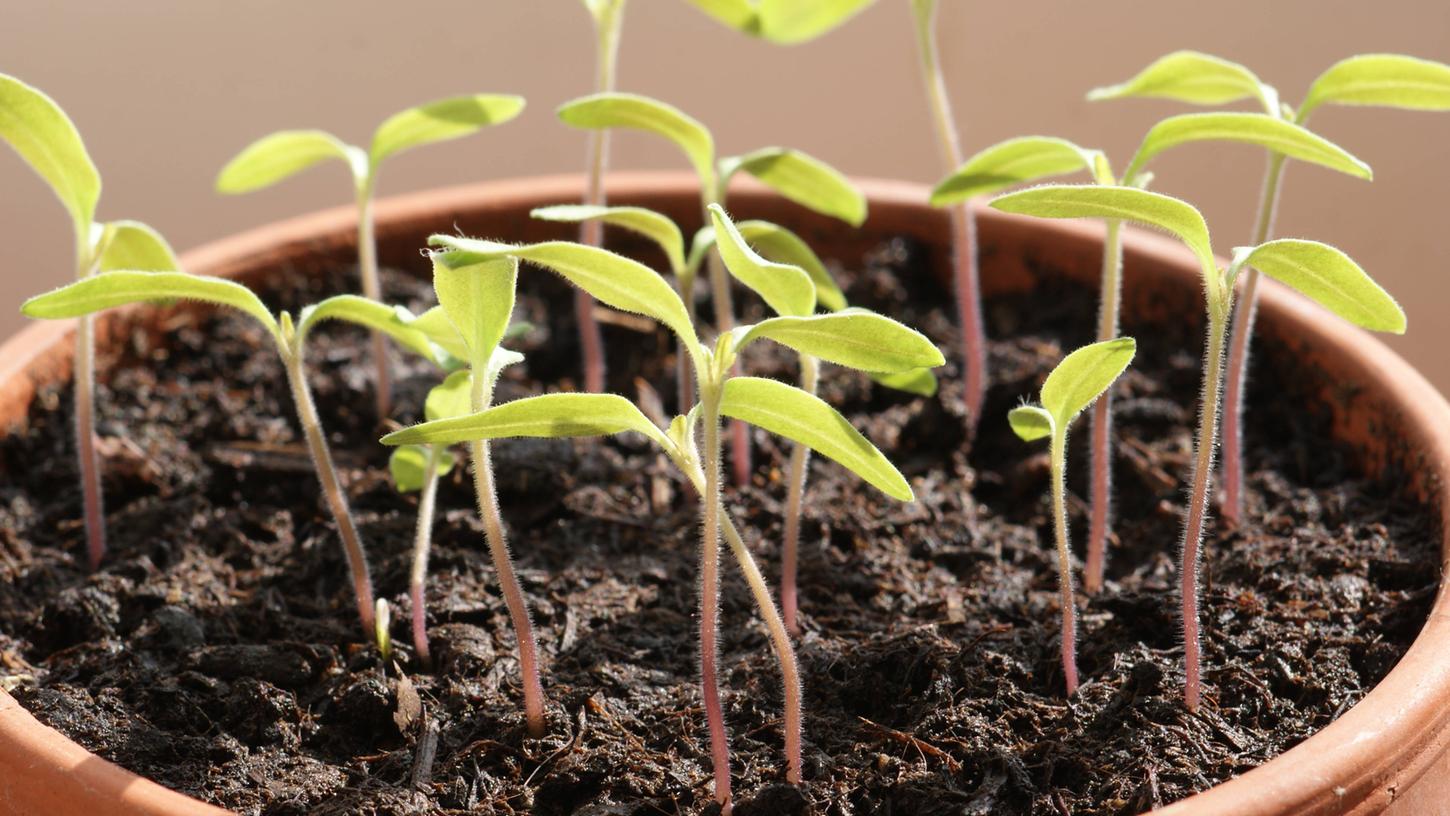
(807, 181)
(634, 112)
(440, 121)
(36, 127)
(787, 289)
(655, 226)
(286, 153)
(134, 245)
(1083, 376)
(369, 314)
(1014, 162)
(477, 295)
(1030, 422)
(1259, 129)
(1330, 278)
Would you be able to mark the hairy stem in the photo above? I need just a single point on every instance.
(422, 543)
(964, 228)
(591, 232)
(1101, 453)
(92, 501)
(796, 487)
(332, 492)
(1238, 355)
(710, 592)
(372, 285)
(513, 594)
(721, 299)
(684, 374)
(1064, 560)
(1198, 504)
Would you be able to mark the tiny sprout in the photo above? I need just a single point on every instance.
(107, 290)
(854, 338)
(1082, 377)
(1380, 80)
(36, 127)
(1319, 271)
(280, 155)
(382, 626)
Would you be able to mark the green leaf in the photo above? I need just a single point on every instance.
(450, 398)
(409, 467)
(1030, 422)
(439, 328)
(280, 155)
(1259, 129)
(1192, 77)
(634, 112)
(1330, 278)
(854, 338)
(783, 246)
(1013, 162)
(920, 382)
(788, 411)
(786, 289)
(1388, 80)
(134, 245)
(110, 289)
(547, 416)
(806, 180)
(788, 22)
(35, 126)
(603, 9)
(441, 121)
(737, 14)
(369, 314)
(611, 279)
(1084, 375)
(477, 294)
(655, 226)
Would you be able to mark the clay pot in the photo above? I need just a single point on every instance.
(1388, 754)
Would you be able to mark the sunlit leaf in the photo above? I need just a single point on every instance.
(783, 246)
(134, 245)
(280, 155)
(369, 314)
(854, 338)
(440, 121)
(740, 15)
(788, 22)
(786, 289)
(1030, 422)
(788, 411)
(436, 324)
(1259, 129)
(478, 297)
(1388, 80)
(1192, 77)
(450, 398)
(107, 290)
(1014, 162)
(807, 181)
(35, 126)
(634, 112)
(547, 416)
(1084, 375)
(655, 226)
(921, 382)
(408, 466)
(1329, 277)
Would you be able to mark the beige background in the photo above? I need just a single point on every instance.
(165, 91)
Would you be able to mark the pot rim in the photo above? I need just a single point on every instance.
(1356, 764)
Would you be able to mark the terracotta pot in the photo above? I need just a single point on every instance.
(1388, 754)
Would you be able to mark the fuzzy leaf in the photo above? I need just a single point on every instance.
(634, 112)
(854, 338)
(783, 246)
(611, 279)
(436, 324)
(655, 226)
(1259, 129)
(807, 181)
(1330, 278)
(547, 416)
(920, 381)
(1188, 76)
(477, 294)
(35, 126)
(110, 289)
(1388, 80)
(441, 121)
(786, 289)
(1030, 422)
(450, 398)
(788, 22)
(369, 314)
(134, 245)
(281, 155)
(788, 411)
(409, 467)
(1011, 163)
(1084, 375)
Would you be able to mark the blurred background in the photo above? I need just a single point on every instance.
(166, 91)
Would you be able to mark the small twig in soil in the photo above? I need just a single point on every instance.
(921, 745)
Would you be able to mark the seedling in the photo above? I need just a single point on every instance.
(1321, 272)
(608, 16)
(1383, 80)
(286, 153)
(795, 175)
(1032, 158)
(36, 127)
(121, 287)
(1082, 377)
(855, 338)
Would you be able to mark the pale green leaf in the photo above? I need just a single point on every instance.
(854, 338)
(1084, 375)
(602, 10)
(611, 279)
(1192, 77)
(439, 328)
(1014, 162)
(107, 290)
(1259, 129)
(547, 416)
(441, 121)
(477, 294)
(788, 411)
(281, 155)
(740, 15)
(134, 245)
(450, 398)
(807, 181)
(920, 382)
(634, 112)
(35, 126)
(1030, 422)
(408, 466)
(783, 246)
(369, 314)
(1388, 80)
(655, 226)
(788, 22)
(1332, 279)
(786, 289)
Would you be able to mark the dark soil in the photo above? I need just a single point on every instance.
(217, 651)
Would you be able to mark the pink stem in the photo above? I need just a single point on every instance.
(1198, 510)
(89, 459)
(710, 601)
(1101, 457)
(591, 232)
(422, 544)
(969, 312)
(1064, 561)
